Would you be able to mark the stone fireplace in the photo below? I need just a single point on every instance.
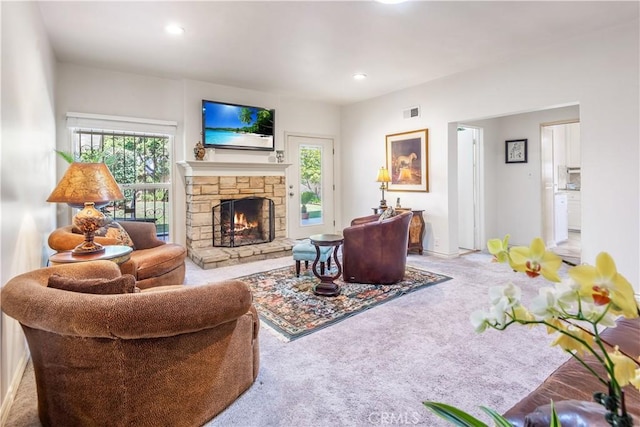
(211, 185)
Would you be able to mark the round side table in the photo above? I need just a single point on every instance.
(116, 253)
(327, 287)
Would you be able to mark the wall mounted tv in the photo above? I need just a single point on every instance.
(239, 127)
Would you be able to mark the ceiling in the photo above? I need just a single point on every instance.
(311, 50)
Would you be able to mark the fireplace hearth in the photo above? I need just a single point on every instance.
(240, 222)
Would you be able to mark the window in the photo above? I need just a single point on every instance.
(139, 161)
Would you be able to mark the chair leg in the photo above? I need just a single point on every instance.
(297, 268)
(306, 265)
(322, 268)
(329, 262)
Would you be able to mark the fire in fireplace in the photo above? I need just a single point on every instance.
(246, 221)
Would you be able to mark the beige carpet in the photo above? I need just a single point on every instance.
(384, 362)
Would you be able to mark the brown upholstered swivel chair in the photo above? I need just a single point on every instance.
(375, 251)
(153, 262)
(171, 356)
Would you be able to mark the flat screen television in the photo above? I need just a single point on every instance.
(240, 127)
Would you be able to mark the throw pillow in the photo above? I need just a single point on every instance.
(115, 231)
(388, 213)
(125, 284)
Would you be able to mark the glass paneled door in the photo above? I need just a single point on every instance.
(310, 186)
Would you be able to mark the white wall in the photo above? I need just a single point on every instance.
(91, 90)
(97, 91)
(27, 157)
(598, 72)
(523, 217)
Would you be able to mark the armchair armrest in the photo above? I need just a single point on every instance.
(142, 233)
(63, 239)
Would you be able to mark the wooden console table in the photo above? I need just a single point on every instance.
(416, 228)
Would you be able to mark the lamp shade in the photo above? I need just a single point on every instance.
(383, 175)
(86, 182)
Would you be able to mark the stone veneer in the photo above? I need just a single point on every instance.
(205, 192)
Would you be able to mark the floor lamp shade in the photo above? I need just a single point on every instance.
(87, 185)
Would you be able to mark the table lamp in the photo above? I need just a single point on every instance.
(383, 178)
(86, 186)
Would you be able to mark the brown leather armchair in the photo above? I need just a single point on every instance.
(172, 356)
(376, 251)
(153, 262)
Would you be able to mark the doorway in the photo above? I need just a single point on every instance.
(311, 188)
(561, 188)
(468, 188)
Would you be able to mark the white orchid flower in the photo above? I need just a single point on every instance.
(545, 304)
(593, 312)
(479, 320)
(498, 312)
(568, 292)
(508, 295)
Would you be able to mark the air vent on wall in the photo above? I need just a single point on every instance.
(411, 112)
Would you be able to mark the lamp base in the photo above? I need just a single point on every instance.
(383, 204)
(87, 248)
(88, 220)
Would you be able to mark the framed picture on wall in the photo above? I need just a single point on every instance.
(515, 151)
(408, 160)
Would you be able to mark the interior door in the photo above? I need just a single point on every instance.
(310, 186)
(548, 186)
(467, 188)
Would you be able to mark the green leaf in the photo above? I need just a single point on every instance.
(66, 156)
(555, 421)
(498, 419)
(454, 415)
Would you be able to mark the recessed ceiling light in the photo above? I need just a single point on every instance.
(359, 76)
(391, 1)
(174, 29)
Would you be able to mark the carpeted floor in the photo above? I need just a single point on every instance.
(381, 364)
(287, 304)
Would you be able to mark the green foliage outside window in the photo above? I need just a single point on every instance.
(311, 169)
(132, 159)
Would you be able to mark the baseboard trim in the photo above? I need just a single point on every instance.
(9, 398)
(441, 254)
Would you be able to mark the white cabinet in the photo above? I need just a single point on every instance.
(566, 145)
(572, 138)
(574, 210)
(560, 145)
(561, 227)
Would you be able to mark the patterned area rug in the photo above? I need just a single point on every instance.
(286, 303)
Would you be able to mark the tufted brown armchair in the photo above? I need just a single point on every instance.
(172, 356)
(376, 251)
(153, 262)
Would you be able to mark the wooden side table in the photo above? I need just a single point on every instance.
(116, 253)
(416, 230)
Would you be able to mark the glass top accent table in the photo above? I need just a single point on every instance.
(116, 253)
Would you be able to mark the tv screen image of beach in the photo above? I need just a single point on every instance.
(237, 126)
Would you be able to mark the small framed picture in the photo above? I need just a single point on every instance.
(515, 151)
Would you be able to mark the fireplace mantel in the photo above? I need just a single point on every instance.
(206, 168)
